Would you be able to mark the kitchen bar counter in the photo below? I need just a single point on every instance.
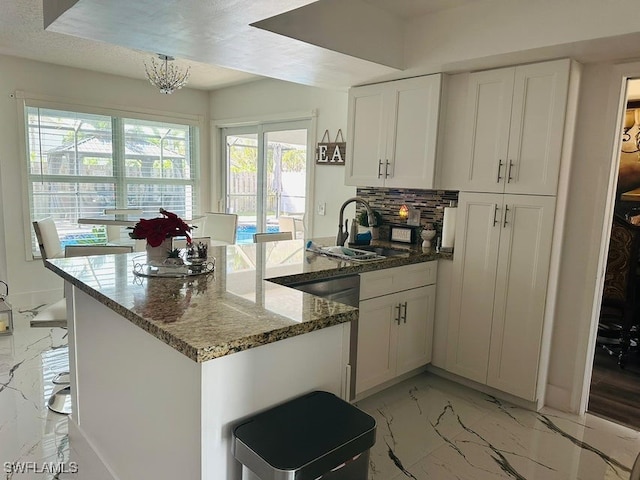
(161, 369)
(234, 309)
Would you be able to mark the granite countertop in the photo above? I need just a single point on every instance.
(232, 309)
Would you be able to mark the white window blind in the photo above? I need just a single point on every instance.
(80, 164)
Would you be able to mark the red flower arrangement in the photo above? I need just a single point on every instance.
(156, 230)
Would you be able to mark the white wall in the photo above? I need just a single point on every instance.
(77, 87)
(273, 98)
(592, 181)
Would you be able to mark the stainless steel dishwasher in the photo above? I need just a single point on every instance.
(344, 289)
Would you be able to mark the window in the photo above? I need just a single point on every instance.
(79, 164)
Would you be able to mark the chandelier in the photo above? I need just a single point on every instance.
(167, 77)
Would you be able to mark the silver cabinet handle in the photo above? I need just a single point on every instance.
(404, 317)
(386, 169)
(495, 214)
(509, 177)
(499, 170)
(506, 212)
(379, 167)
(398, 317)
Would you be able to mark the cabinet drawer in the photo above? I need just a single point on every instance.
(397, 279)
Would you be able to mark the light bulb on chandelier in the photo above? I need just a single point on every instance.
(167, 77)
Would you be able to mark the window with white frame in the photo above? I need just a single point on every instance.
(80, 164)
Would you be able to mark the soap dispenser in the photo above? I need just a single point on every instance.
(353, 235)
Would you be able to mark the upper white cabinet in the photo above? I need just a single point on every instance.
(504, 133)
(499, 284)
(392, 131)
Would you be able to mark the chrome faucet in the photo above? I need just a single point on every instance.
(342, 236)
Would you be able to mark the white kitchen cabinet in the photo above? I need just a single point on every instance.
(392, 131)
(508, 136)
(500, 274)
(395, 328)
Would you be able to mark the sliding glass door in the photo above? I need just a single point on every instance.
(266, 176)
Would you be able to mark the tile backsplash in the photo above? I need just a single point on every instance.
(387, 201)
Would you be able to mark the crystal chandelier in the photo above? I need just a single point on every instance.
(166, 77)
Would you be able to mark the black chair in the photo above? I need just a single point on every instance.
(617, 327)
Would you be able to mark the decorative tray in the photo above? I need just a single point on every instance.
(142, 269)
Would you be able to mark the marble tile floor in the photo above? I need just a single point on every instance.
(428, 427)
(32, 438)
(431, 428)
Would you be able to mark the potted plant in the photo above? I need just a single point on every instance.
(363, 220)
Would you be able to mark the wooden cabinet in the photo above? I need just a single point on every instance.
(392, 131)
(395, 324)
(508, 136)
(499, 283)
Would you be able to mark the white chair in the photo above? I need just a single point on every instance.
(271, 237)
(291, 224)
(220, 227)
(114, 232)
(55, 315)
(181, 242)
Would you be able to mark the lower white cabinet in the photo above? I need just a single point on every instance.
(499, 284)
(395, 329)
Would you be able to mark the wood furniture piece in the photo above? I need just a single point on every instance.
(504, 129)
(499, 285)
(395, 326)
(271, 237)
(619, 308)
(392, 133)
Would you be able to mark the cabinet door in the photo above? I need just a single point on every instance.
(473, 281)
(521, 286)
(377, 342)
(366, 132)
(413, 125)
(486, 130)
(537, 126)
(415, 332)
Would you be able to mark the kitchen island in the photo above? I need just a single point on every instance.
(163, 368)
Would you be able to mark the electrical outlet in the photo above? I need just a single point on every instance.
(322, 208)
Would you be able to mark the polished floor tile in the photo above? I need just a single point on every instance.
(33, 440)
(431, 428)
(427, 427)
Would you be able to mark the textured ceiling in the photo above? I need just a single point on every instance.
(22, 35)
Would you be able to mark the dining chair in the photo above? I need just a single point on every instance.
(619, 310)
(220, 227)
(114, 232)
(55, 315)
(294, 225)
(181, 242)
(271, 237)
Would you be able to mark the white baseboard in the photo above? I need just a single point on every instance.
(483, 388)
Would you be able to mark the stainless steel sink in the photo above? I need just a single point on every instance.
(384, 251)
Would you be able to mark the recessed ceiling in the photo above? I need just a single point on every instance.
(416, 8)
(22, 35)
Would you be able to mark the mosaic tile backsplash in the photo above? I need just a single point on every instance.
(387, 201)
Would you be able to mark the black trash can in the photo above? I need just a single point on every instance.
(314, 436)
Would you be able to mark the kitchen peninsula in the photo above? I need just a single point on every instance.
(162, 368)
